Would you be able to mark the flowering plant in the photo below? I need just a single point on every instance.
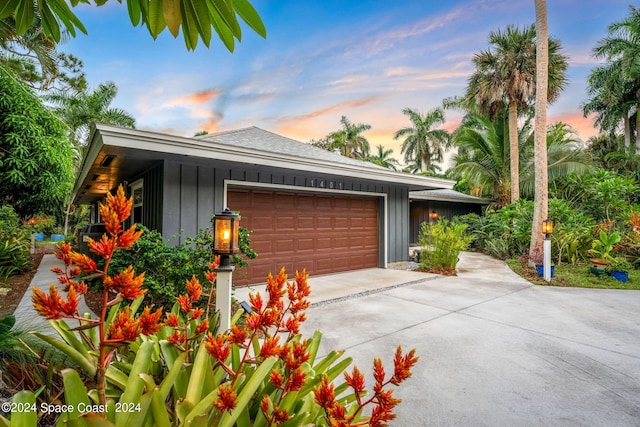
(179, 370)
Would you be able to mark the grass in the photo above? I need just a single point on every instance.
(575, 275)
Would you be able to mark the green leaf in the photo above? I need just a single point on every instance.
(25, 418)
(68, 18)
(225, 11)
(223, 32)
(196, 381)
(172, 15)
(133, 7)
(75, 393)
(74, 354)
(189, 31)
(170, 378)
(8, 8)
(69, 337)
(155, 20)
(49, 21)
(159, 410)
(250, 16)
(25, 14)
(135, 385)
(247, 392)
(198, 16)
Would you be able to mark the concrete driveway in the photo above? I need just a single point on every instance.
(494, 349)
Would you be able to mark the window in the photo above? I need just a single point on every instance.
(136, 192)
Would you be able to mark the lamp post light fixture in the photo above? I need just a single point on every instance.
(433, 216)
(547, 229)
(32, 223)
(225, 244)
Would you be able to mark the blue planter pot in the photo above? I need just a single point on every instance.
(540, 270)
(620, 276)
(40, 236)
(57, 237)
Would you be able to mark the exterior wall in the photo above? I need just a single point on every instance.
(193, 191)
(420, 209)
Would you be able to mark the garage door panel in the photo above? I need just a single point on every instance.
(320, 232)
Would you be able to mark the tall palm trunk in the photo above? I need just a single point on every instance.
(637, 129)
(627, 130)
(541, 196)
(514, 152)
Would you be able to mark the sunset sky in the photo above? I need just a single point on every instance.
(366, 60)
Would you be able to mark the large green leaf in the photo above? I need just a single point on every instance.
(155, 20)
(7, 7)
(250, 16)
(197, 14)
(25, 14)
(88, 367)
(224, 9)
(24, 418)
(135, 385)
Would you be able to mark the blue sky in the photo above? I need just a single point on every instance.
(366, 60)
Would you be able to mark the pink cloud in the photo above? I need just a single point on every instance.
(582, 125)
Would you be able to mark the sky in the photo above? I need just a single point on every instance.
(366, 60)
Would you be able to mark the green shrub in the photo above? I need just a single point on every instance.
(15, 256)
(443, 242)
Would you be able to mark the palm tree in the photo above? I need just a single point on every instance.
(82, 110)
(348, 139)
(618, 82)
(507, 76)
(422, 143)
(383, 158)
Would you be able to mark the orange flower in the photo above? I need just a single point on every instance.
(70, 306)
(276, 378)
(123, 327)
(110, 219)
(402, 365)
(227, 398)
(194, 288)
(177, 337)
(196, 313)
(211, 276)
(185, 303)
(120, 204)
(47, 305)
(237, 335)
(150, 322)
(217, 347)
(81, 287)
(355, 380)
(324, 394)
(105, 247)
(126, 283)
(215, 263)
(270, 347)
(63, 249)
(202, 327)
(129, 237)
(172, 320)
(83, 262)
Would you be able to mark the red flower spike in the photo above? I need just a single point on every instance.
(280, 416)
(324, 394)
(74, 271)
(264, 404)
(202, 327)
(276, 379)
(211, 276)
(127, 284)
(196, 313)
(120, 204)
(194, 288)
(172, 320)
(83, 262)
(237, 336)
(81, 288)
(110, 219)
(124, 328)
(217, 347)
(355, 380)
(215, 263)
(70, 306)
(129, 237)
(63, 280)
(402, 365)
(256, 301)
(47, 305)
(270, 347)
(105, 247)
(177, 337)
(63, 249)
(227, 398)
(185, 303)
(297, 380)
(57, 270)
(150, 322)
(378, 371)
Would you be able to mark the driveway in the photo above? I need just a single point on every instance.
(494, 349)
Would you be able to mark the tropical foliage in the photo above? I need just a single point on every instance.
(443, 241)
(35, 156)
(505, 74)
(383, 157)
(347, 140)
(196, 18)
(175, 368)
(423, 144)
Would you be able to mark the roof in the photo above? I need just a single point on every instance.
(131, 151)
(262, 140)
(446, 195)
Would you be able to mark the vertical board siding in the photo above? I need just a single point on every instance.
(152, 198)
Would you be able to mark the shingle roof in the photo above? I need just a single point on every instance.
(263, 140)
(446, 195)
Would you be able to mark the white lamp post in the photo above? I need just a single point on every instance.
(225, 244)
(547, 229)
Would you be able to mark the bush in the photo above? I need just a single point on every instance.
(443, 242)
(15, 256)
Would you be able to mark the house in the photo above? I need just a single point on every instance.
(306, 207)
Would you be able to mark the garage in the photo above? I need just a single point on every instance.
(322, 232)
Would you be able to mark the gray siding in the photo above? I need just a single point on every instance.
(192, 192)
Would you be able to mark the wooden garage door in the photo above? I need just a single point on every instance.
(320, 232)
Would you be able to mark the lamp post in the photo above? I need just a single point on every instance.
(32, 223)
(225, 244)
(547, 229)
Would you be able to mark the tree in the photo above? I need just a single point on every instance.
(383, 158)
(506, 75)
(195, 17)
(81, 110)
(34, 58)
(422, 143)
(621, 48)
(35, 154)
(348, 139)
